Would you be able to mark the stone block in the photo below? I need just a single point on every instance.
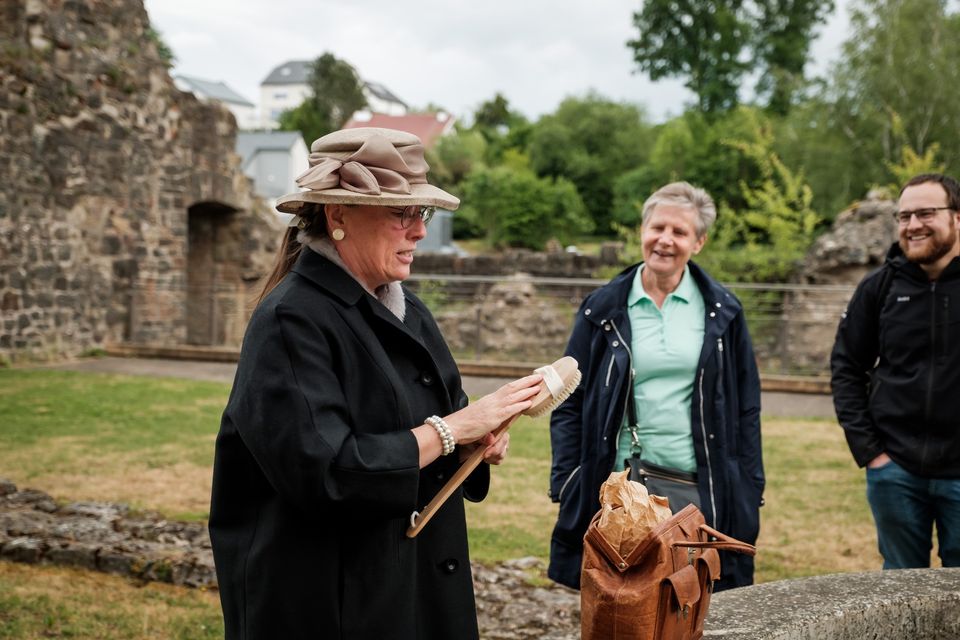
(28, 550)
(10, 302)
(106, 511)
(118, 562)
(7, 487)
(73, 555)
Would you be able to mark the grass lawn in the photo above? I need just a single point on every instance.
(149, 442)
(52, 602)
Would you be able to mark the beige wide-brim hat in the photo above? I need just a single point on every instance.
(367, 166)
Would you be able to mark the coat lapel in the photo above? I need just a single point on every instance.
(374, 323)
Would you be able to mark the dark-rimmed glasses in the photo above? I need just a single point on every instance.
(410, 213)
(924, 215)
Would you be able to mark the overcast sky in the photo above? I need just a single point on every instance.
(453, 53)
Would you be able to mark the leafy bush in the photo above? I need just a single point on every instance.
(515, 208)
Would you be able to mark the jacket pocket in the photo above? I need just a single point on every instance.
(564, 488)
(569, 528)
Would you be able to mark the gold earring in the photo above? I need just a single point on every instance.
(337, 234)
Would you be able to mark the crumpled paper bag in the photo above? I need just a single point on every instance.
(628, 512)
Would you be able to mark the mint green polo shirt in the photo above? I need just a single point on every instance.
(666, 348)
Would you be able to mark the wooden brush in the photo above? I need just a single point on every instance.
(559, 381)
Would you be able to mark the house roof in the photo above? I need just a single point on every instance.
(290, 72)
(298, 72)
(250, 142)
(215, 90)
(382, 92)
(426, 126)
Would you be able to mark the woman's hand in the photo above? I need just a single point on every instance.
(479, 418)
(496, 448)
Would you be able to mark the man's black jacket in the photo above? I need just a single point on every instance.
(896, 368)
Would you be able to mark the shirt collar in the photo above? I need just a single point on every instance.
(684, 291)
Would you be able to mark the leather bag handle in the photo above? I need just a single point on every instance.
(723, 541)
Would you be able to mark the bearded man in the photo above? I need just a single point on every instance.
(896, 379)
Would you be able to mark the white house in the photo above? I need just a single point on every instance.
(288, 85)
(273, 159)
(243, 110)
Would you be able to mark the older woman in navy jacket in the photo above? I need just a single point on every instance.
(346, 415)
(695, 385)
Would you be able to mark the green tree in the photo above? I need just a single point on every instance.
(454, 156)
(783, 30)
(336, 93)
(765, 239)
(515, 208)
(893, 88)
(902, 58)
(591, 141)
(699, 150)
(912, 164)
(493, 113)
(502, 128)
(699, 40)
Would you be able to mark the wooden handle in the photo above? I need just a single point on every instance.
(419, 520)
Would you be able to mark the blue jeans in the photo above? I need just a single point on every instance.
(905, 508)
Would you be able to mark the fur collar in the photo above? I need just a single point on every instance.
(390, 295)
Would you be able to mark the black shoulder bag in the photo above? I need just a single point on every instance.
(679, 487)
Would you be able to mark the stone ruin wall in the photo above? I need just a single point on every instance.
(124, 215)
(856, 245)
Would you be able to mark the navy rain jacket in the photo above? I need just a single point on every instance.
(725, 420)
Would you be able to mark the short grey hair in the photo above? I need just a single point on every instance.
(684, 194)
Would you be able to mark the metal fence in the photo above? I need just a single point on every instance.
(530, 318)
(498, 318)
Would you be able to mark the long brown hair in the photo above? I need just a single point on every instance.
(314, 224)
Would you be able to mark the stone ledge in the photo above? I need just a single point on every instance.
(913, 604)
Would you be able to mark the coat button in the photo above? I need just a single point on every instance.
(616, 344)
(426, 378)
(713, 314)
(450, 565)
(606, 327)
(440, 476)
(587, 312)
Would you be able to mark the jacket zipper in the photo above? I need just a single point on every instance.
(653, 474)
(567, 482)
(629, 394)
(933, 348)
(706, 450)
(933, 364)
(610, 369)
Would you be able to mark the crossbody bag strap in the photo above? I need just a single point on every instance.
(723, 541)
(632, 423)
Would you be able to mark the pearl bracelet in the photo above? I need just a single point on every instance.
(443, 430)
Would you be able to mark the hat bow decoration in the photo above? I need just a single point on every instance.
(376, 166)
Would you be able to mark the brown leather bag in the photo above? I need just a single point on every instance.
(661, 590)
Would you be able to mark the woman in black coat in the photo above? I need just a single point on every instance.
(346, 416)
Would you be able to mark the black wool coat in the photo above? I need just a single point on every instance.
(316, 471)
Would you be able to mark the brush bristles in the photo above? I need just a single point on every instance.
(558, 399)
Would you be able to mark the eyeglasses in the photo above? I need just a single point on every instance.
(411, 213)
(923, 215)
